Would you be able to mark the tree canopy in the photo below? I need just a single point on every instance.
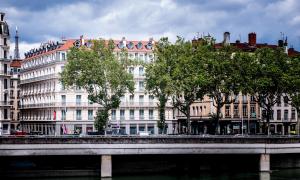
(101, 74)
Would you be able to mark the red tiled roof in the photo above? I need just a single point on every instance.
(70, 43)
(16, 63)
(292, 52)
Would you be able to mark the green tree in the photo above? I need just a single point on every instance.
(158, 77)
(98, 71)
(269, 80)
(189, 80)
(224, 80)
(293, 78)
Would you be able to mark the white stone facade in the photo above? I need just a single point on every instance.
(48, 108)
(4, 76)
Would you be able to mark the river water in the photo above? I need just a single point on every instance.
(288, 174)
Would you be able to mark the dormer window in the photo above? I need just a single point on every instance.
(149, 46)
(139, 45)
(77, 43)
(89, 44)
(130, 45)
(121, 45)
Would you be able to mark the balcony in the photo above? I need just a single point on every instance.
(5, 103)
(4, 73)
(137, 104)
(40, 78)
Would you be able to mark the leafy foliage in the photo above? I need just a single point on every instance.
(269, 79)
(97, 70)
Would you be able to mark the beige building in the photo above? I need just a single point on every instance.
(15, 66)
(284, 118)
(49, 108)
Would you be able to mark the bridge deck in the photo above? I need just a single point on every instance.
(35, 146)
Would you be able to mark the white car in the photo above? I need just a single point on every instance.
(143, 133)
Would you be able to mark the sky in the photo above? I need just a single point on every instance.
(40, 21)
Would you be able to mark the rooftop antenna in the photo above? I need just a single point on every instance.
(282, 35)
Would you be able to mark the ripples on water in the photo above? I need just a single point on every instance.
(287, 174)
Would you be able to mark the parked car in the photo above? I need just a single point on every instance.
(143, 133)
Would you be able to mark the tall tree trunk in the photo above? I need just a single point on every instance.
(162, 119)
(188, 118)
(217, 129)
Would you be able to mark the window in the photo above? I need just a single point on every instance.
(5, 54)
(252, 111)
(131, 114)
(113, 114)
(245, 111)
(151, 129)
(236, 99)
(141, 85)
(141, 114)
(122, 114)
(244, 99)
(293, 114)
(131, 70)
(131, 99)
(63, 100)
(77, 129)
(278, 102)
(132, 129)
(151, 99)
(63, 56)
(90, 115)
(150, 113)
(278, 114)
(5, 68)
(78, 114)
(5, 83)
(286, 115)
(236, 111)
(141, 71)
(78, 99)
(142, 127)
(272, 115)
(286, 101)
(63, 114)
(141, 99)
(5, 114)
(5, 41)
(227, 111)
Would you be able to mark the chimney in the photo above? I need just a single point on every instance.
(81, 40)
(252, 39)
(226, 40)
(280, 43)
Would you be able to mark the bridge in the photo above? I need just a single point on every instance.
(108, 146)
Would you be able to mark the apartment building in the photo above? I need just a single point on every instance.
(15, 66)
(284, 118)
(48, 107)
(4, 76)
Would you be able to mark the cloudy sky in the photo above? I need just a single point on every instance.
(42, 20)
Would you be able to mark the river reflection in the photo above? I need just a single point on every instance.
(288, 174)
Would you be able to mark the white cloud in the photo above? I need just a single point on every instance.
(23, 47)
(136, 19)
